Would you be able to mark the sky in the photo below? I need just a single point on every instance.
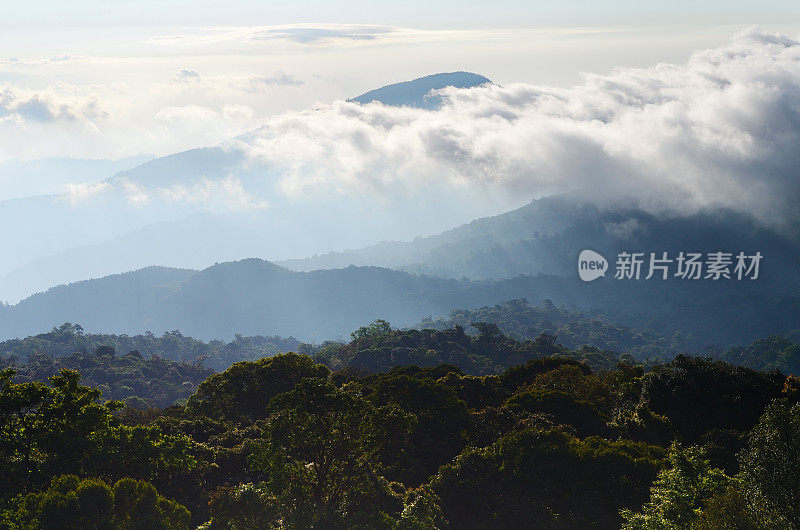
(669, 106)
(115, 79)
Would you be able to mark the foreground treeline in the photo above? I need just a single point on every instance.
(285, 442)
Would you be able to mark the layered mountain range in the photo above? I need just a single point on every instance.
(209, 241)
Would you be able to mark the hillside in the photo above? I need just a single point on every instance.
(68, 339)
(549, 439)
(546, 236)
(416, 93)
(255, 297)
(139, 381)
(45, 176)
(216, 203)
(570, 327)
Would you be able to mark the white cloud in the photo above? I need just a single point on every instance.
(163, 115)
(38, 61)
(79, 193)
(342, 35)
(59, 103)
(187, 75)
(238, 112)
(259, 35)
(227, 194)
(135, 193)
(280, 78)
(190, 83)
(186, 114)
(721, 129)
(326, 34)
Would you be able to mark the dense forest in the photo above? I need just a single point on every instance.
(577, 329)
(413, 429)
(573, 328)
(216, 354)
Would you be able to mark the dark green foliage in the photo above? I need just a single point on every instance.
(47, 430)
(561, 439)
(730, 510)
(241, 392)
(771, 464)
(519, 376)
(439, 432)
(564, 408)
(379, 349)
(318, 461)
(679, 493)
(700, 394)
(70, 503)
(772, 353)
(243, 507)
(50, 430)
(572, 328)
(138, 382)
(69, 339)
(477, 392)
(720, 447)
(545, 479)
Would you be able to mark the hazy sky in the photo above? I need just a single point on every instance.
(112, 79)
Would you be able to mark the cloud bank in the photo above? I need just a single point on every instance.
(313, 34)
(61, 103)
(721, 130)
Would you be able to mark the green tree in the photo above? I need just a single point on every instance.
(440, 430)
(321, 453)
(376, 330)
(240, 393)
(70, 503)
(138, 506)
(530, 478)
(770, 465)
(243, 507)
(47, 430)
(730, 510)
(679, 493)
(698, 394)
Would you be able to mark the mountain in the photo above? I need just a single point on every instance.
(25, 178)
(546, 236)
(441, 253)
(417, 94)
(228, 298)
(200, 206)
(256, 297)
(192, 242)
(223, 203)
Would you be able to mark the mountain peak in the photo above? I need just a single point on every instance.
(415, 93)
(246, 265)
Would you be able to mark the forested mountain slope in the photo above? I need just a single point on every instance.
(255, 297)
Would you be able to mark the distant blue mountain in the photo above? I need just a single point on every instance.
(90, 218)
(256, 297)
(45, 176)
(416, 93)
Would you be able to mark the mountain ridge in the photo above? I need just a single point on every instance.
(417, 92)
(256, 297)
